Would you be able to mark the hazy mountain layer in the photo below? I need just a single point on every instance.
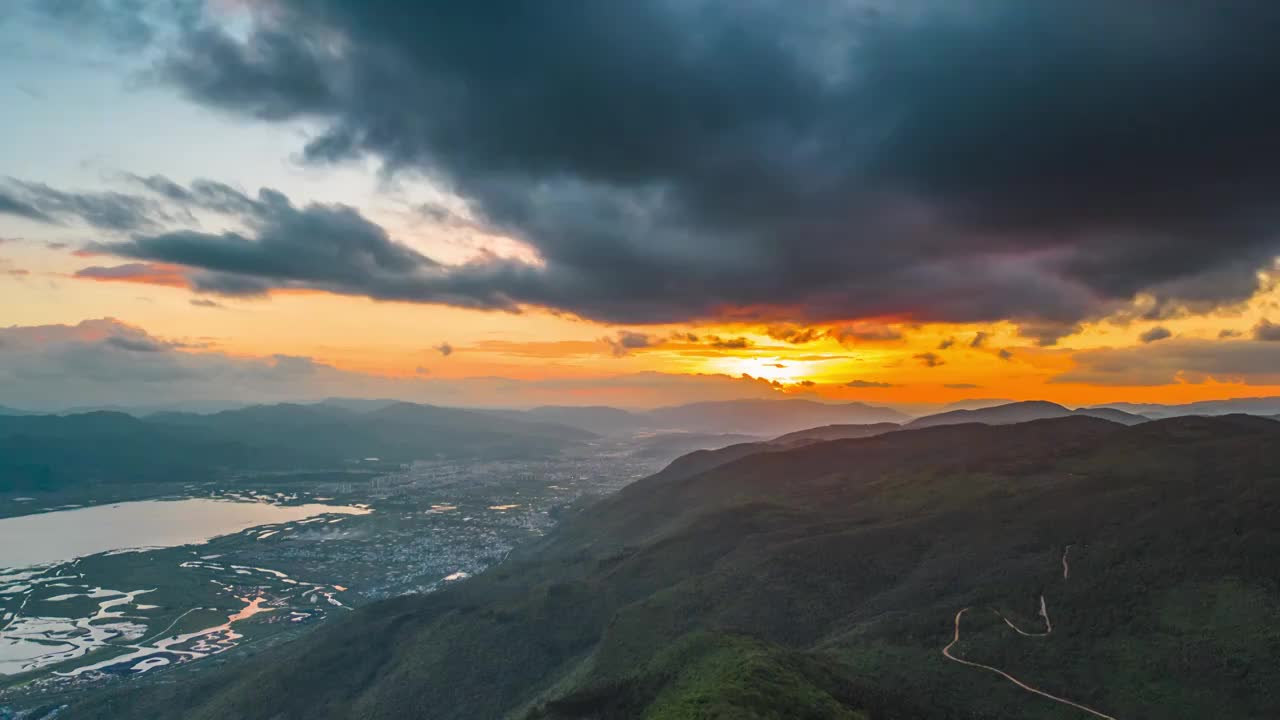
(49, 451)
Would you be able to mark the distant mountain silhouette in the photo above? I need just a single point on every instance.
(598, 419)
(359, 404)
(833, 432)
(1251, 406)
(1112, 414)
(665, 447)
(760, 418)
(1020, 412)
(974, 404)
(769, 417)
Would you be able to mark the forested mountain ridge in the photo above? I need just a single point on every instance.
(700, 461)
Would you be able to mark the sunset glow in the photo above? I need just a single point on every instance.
(244, 251)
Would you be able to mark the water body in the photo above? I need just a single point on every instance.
(38, 631)
(65, 535)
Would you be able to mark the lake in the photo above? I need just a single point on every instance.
(64, 535)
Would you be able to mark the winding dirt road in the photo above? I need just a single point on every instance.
(1044, 613)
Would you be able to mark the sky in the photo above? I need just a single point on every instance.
(639, 204)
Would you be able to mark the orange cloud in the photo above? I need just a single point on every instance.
(142, 273)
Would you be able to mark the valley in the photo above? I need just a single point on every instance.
(71, 623)
(827, 577)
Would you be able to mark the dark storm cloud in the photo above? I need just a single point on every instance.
(209, 195)
(165, 187)
(930, 359)
(737, 343)
(1178, 360)
(140, 272)
(1155, 334)
(864, 332)
(231, 284)
(793, 335)
(939, 161)
(10, 205)
(1047, 334)
(135, 344)
(626, 341)
(112, 211)
(1266, 331)
(325, 247)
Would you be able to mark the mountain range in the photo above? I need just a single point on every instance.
(48, 452)
(1251, 406)
(751, 417)
(52, 451)
(742, 417)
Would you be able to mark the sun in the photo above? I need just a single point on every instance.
(774, 369)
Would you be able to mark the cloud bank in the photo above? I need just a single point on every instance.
(106, 362)
(813, 162)
(1179, 360)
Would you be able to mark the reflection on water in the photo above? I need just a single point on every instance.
(31, 639)
(64, 535)
(185, 646)
(28, 642)
(51, 614)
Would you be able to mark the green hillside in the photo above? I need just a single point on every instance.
(824, 582)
